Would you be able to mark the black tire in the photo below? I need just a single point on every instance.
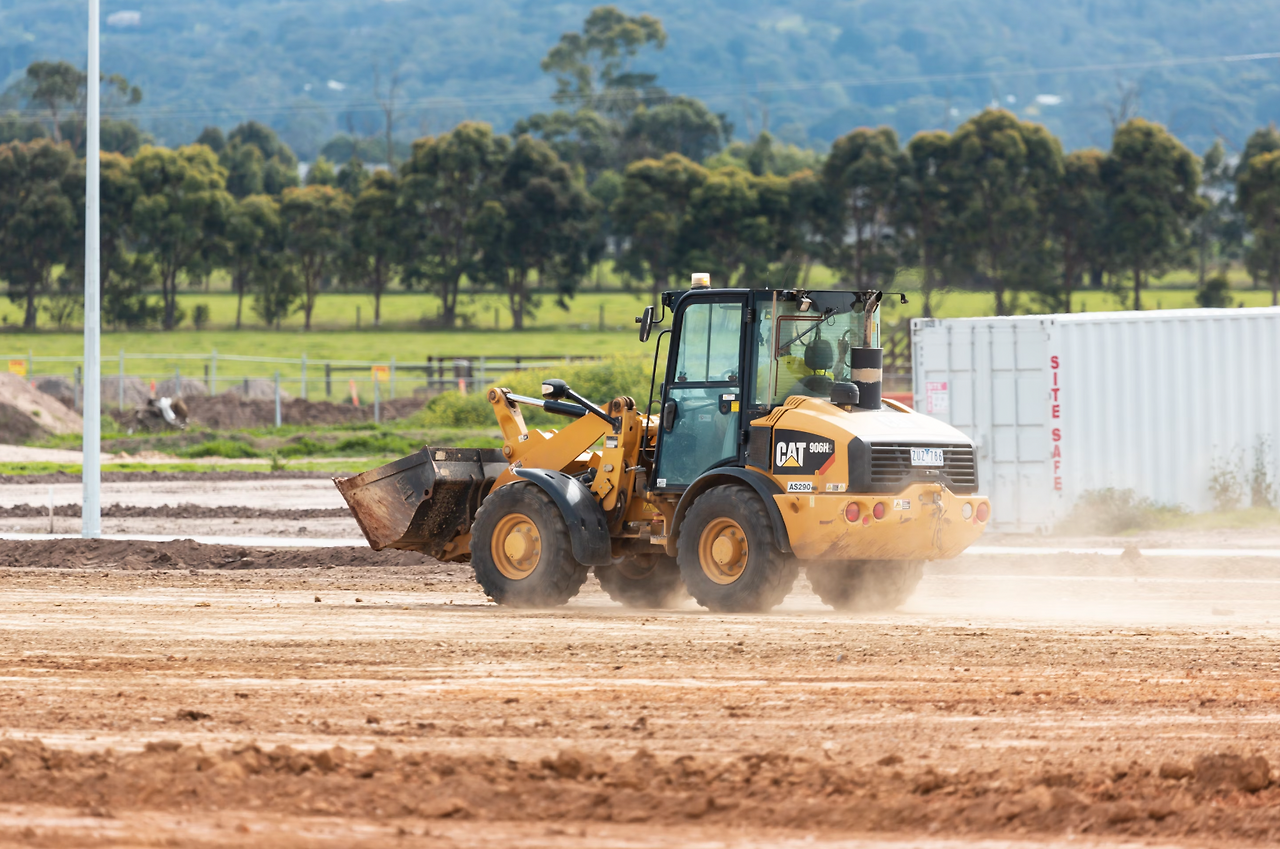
(553, 576)
(643, 580)
(764, 574)
(865, 586)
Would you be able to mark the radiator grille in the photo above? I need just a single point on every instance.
(891, 465)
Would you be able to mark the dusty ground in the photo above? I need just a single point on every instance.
(179, 694)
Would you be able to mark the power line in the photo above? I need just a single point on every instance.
(703, 91)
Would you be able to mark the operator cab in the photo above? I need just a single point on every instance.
(736, 354)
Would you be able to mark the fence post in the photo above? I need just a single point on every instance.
(213, 372)
(75, 390)
(391, 379)
(377, 401)
(328, 380)
(602, 318)
(120, 388)
(304, 376)
(483, 383)
(277, 397)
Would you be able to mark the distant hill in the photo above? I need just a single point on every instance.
(804, 66)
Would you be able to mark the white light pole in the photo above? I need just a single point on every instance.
(91, 470)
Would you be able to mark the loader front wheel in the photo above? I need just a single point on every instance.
(520, 549)
(643, 580)
(728, 556)
(864, 586)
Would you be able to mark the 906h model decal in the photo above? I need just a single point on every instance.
(796, 452)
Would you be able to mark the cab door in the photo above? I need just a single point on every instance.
(702, 393)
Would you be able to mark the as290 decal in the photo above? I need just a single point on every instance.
(798, 453)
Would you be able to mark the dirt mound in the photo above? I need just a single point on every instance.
(231, 411)
(27, 413)
(759, 789)
(180, 511)
(186, 554)
(141, 477)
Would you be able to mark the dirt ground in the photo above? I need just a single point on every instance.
(198, 695)
(188, 695)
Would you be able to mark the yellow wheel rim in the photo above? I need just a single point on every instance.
(722, 551)
(516, 546)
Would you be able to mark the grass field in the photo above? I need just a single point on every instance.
(554, 332)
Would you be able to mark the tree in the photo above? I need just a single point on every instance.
(541, 221)
(922, 207)
(862, 173)
(766, 155)
(253, 243)
(737, 224)
(1259, 200)
(680, 125)
(651, 212)
(352, 177)
(1151, 183)
(180, 214)
(315, 223)
(1001, 174)
(271, 171)
(1220, 229)
(55, 86)
(1079, 211)
(38, 221)
(375, 237)
(124, 275)
(322, 173)
(593, 67)
(444, 188)
(600, 92)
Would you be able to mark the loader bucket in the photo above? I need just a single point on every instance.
(421, 502)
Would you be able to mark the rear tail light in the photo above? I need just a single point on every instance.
(878, 510)
(984, 510)
(852, 512)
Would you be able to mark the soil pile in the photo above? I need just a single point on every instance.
(27, 413)
(232, 411)
(179, 511)
(186, 554)
(1223, 795)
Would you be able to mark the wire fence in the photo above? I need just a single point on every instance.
(129, 379)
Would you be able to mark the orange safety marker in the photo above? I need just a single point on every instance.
(355, 396)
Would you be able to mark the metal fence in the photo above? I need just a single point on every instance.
(128, 379)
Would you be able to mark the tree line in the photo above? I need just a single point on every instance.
(624, 171)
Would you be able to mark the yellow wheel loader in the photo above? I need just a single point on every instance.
(771, 449)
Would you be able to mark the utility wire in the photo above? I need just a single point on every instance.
(703, 91)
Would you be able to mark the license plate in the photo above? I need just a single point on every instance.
(926, 456)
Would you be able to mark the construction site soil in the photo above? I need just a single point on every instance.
(199, 695)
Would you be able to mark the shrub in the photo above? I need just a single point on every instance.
(1216, 292)
(600, 382)
(231, 449)
(200, 316)
(1115, 511)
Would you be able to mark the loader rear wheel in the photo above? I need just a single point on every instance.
(865, 586)
(643, 580)
(728, 556)
(520, 549)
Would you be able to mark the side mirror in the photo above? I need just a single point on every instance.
(646, 323)
(554, 390)
(669, 411)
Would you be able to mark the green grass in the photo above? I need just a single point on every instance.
(554, 333)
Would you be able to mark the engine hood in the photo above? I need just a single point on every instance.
(884, 425)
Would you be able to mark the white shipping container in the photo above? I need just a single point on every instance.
(1060, 405)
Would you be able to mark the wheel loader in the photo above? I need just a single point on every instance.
(770, 449)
